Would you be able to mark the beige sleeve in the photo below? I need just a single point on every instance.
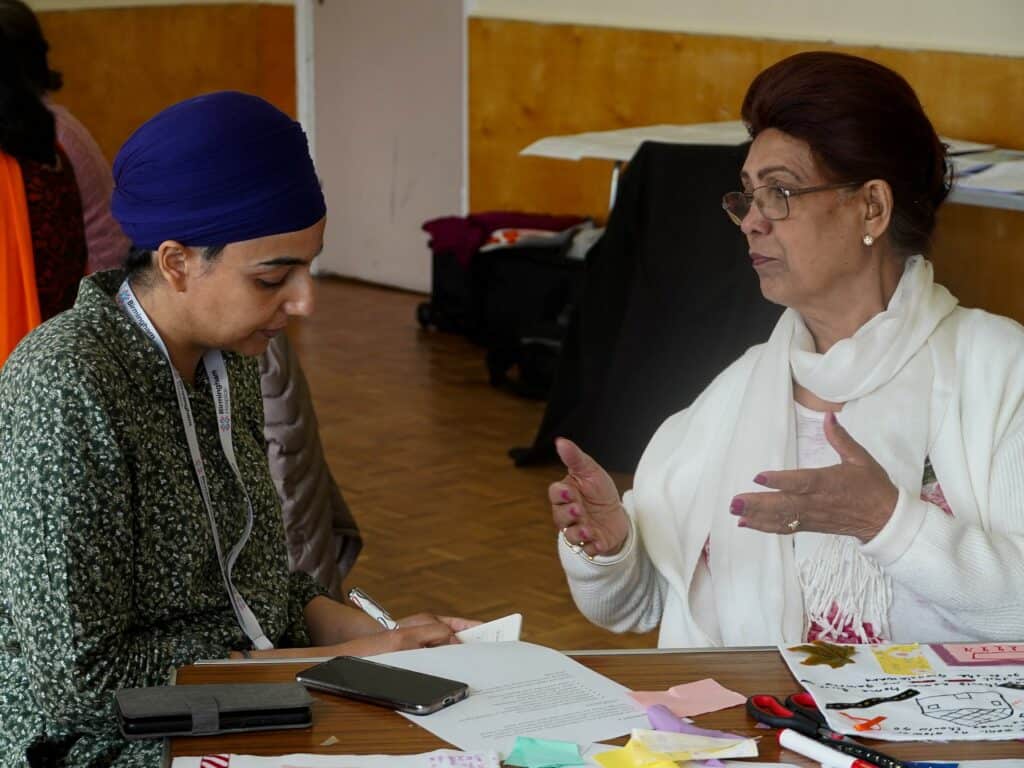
(322, 536)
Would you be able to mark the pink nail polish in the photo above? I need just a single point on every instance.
(573, 513)
(742, 523)
(566, 496)
(584, 534)
(737, 506)
(760, 479)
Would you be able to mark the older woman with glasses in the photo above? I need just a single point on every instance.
(860, 476)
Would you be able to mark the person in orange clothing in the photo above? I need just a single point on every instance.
(106, 243)
(41, 228)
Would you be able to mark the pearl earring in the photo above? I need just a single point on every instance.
(868, 240)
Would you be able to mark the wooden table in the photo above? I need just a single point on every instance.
(366, 729)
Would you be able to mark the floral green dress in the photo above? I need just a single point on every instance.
(109, 575)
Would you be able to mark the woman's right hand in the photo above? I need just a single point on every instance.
(586, 504)
(424, 634)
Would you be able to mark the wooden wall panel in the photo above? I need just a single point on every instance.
(123, 65)
(529, 80)
(979, 255)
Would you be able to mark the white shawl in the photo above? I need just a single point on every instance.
(884, 375)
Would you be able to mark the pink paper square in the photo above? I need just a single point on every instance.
(649, 698)
(691, 699)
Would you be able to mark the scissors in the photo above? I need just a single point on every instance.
(801, 714)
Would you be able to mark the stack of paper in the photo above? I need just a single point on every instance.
(998, 177)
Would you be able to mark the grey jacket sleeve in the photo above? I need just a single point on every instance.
(323, 538)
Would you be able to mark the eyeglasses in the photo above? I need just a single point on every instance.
(772, 200)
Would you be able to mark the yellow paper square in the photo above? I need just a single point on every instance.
(902, 659)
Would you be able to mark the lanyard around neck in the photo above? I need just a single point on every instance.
(216, 372)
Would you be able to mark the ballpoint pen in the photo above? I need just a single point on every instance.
(371, 608)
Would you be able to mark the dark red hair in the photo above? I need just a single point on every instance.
(862, 121)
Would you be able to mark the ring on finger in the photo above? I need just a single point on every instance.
(576, 548)
(794, 523)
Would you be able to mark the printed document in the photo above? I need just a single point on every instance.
(520, 689)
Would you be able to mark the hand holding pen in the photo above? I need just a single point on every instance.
(371, 608)
(376, 611)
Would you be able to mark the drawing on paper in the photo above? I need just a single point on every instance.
(874, 701)
(820, 652)
(968, 709)
(902, 659)
(980, 654)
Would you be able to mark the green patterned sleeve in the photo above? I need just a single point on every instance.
(302, 588)
(66, 521)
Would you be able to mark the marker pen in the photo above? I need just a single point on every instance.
(815, 750)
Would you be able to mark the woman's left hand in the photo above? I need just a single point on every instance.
(852, 498)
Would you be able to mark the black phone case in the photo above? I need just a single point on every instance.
(201, 710)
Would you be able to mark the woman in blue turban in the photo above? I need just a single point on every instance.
(137, 513)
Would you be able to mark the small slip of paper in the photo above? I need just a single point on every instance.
(500, 630)
(691, 699)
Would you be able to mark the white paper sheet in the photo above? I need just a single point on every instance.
(622, 144)
(965, 164)
(497, 631)
(440, 758)
(961, 146)
(520, 689)
(999, 177)
(948, 694)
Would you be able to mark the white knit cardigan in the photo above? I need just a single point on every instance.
(970, 567)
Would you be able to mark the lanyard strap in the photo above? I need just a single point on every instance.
(220, 388)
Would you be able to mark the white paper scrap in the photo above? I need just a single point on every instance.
(499, 630)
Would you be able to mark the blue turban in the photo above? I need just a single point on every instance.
(215, 170)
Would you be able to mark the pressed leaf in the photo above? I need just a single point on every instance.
(820, 652)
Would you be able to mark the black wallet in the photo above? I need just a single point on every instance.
(205, 710)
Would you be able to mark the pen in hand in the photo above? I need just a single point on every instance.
(371, 608)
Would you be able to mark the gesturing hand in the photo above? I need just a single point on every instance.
(586, 505)
(852, 498)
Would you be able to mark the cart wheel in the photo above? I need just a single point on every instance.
(425, 314)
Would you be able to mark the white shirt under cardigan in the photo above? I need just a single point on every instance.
(954, 578)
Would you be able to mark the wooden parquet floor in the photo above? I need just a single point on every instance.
(417, 440)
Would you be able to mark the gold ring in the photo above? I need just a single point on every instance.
(577, 548)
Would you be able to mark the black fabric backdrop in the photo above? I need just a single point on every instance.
(669, 300)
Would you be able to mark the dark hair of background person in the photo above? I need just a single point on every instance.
(27, 127)
(28, 46)
(139, 260)
(862, 121)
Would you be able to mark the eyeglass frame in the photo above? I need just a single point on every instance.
(786, 194)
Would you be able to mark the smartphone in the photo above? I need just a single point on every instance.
(402, 689)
